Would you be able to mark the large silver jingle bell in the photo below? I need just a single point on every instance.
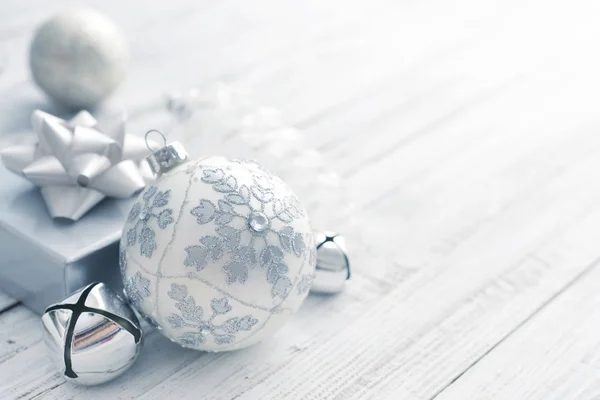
(93, 336)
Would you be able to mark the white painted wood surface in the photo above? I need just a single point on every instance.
(467, 137)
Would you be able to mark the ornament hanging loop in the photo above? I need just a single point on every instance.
(148, 143)
(169, 156)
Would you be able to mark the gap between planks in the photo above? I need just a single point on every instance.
(554, 356)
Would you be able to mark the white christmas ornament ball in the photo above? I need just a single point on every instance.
(217, 254)
(78, 58)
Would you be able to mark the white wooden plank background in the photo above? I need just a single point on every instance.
(467, 138)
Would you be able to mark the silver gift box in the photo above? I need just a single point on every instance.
(43, 260)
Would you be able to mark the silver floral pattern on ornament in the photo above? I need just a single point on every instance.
(257, 207)
(305, 283)
(193, 316)
(143, 212)
(122, 260)
(136, 288)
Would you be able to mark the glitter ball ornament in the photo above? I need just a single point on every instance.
(78, 58)
(217, 253)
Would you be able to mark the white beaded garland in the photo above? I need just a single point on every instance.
(78, 58)
(217, 254)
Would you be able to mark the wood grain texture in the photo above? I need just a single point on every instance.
(554, 355)
(465, 135)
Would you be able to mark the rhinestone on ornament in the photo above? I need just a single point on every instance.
(145, 214)
(258, 222)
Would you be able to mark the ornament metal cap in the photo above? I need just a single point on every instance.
(167, 157)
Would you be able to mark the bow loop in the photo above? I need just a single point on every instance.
(77, 163)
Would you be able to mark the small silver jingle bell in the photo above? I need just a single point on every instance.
(93, 336)
(333, 265)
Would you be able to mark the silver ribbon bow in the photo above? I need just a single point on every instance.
(78, 163)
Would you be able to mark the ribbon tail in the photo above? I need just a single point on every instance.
(16, 158)
(58, 137)
(122, 180)
(90, 140)
(85, 167)
(83, 118)
(70, 202)
(135, 148)
(38, 117)
(47, 171)
(114, 129)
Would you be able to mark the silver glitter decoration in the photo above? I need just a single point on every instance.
(78, 58)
